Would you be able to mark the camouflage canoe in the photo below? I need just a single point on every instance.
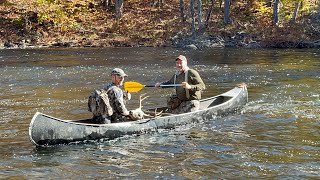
(48, 130)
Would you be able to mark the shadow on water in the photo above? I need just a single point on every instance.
(275, 136)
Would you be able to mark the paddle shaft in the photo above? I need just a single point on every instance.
(165, 85)
(131, 86)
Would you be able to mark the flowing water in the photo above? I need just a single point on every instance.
(276, 135)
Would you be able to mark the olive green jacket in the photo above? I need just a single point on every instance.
(194, 80)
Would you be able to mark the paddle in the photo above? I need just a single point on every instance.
(132, 86)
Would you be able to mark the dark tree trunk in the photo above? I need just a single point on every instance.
(200, 14)
(227, 4)
(161, 3)
(106, 4)
(182, 15)
(119, 8)
(193, 25)
(276, 8)
(209, 14)
(295, 13)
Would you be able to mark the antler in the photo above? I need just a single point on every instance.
(157, 114)
(141, 98)
(140, 114)
(153, 114)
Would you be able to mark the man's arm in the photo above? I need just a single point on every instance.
(196, 83)
(171, 81)
(120, 103)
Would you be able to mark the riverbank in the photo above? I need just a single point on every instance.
(87, 24)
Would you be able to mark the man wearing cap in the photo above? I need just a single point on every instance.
(189, 93)
(108, 104)
(116, 96)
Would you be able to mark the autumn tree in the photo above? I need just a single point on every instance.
(200, 24)
(193, 22)
(106, 3)
(209, 12)
(182, 15)
(158, 3)
(296, 10)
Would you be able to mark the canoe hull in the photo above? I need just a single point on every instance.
(47, 130)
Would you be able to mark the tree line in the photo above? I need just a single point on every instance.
(278, 8)
(106, 20)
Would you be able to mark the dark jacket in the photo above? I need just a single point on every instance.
(194, 80)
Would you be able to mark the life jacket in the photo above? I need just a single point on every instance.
(99, 103)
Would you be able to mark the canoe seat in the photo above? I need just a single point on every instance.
(215, 101)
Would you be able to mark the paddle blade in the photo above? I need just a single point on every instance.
(131, 86)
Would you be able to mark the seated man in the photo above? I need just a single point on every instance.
(111, 101)
(189, 93)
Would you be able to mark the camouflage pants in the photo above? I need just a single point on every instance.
(101, 120)
(115, 118)
(187, 106)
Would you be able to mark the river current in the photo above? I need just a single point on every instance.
(276, 135)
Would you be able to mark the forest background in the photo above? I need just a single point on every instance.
(158, 23)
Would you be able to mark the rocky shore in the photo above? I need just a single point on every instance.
(239, 40)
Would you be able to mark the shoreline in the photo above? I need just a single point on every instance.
(201, 42)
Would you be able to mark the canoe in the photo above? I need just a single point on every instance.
(47, 130)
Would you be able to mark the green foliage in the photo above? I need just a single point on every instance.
(41, 2)
(61, 14)
(46, 11)
(75, 25)
(263, 10)
(289, 6)
(286, 9)
(19, 22)
(307, 7)
(42, 17)
(5, 3)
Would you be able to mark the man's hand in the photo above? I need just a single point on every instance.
(242, 85)
(127, 96)
(186, 85)
(157, 84)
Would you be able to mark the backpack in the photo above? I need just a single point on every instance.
(173, 102)
(99, 104)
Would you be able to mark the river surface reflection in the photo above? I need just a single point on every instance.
(275, 136)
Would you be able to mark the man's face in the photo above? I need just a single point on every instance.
(118, 80)
(180, 65)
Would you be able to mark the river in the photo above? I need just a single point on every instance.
(276, 135)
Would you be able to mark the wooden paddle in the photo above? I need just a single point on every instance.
(132, 86)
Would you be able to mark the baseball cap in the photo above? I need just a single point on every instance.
(182, 58)
(119, 72)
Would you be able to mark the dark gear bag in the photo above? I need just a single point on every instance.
(173, 102)
(99, 104)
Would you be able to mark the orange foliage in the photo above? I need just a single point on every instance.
(87, 23)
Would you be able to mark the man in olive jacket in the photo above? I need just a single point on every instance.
(189, 93)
